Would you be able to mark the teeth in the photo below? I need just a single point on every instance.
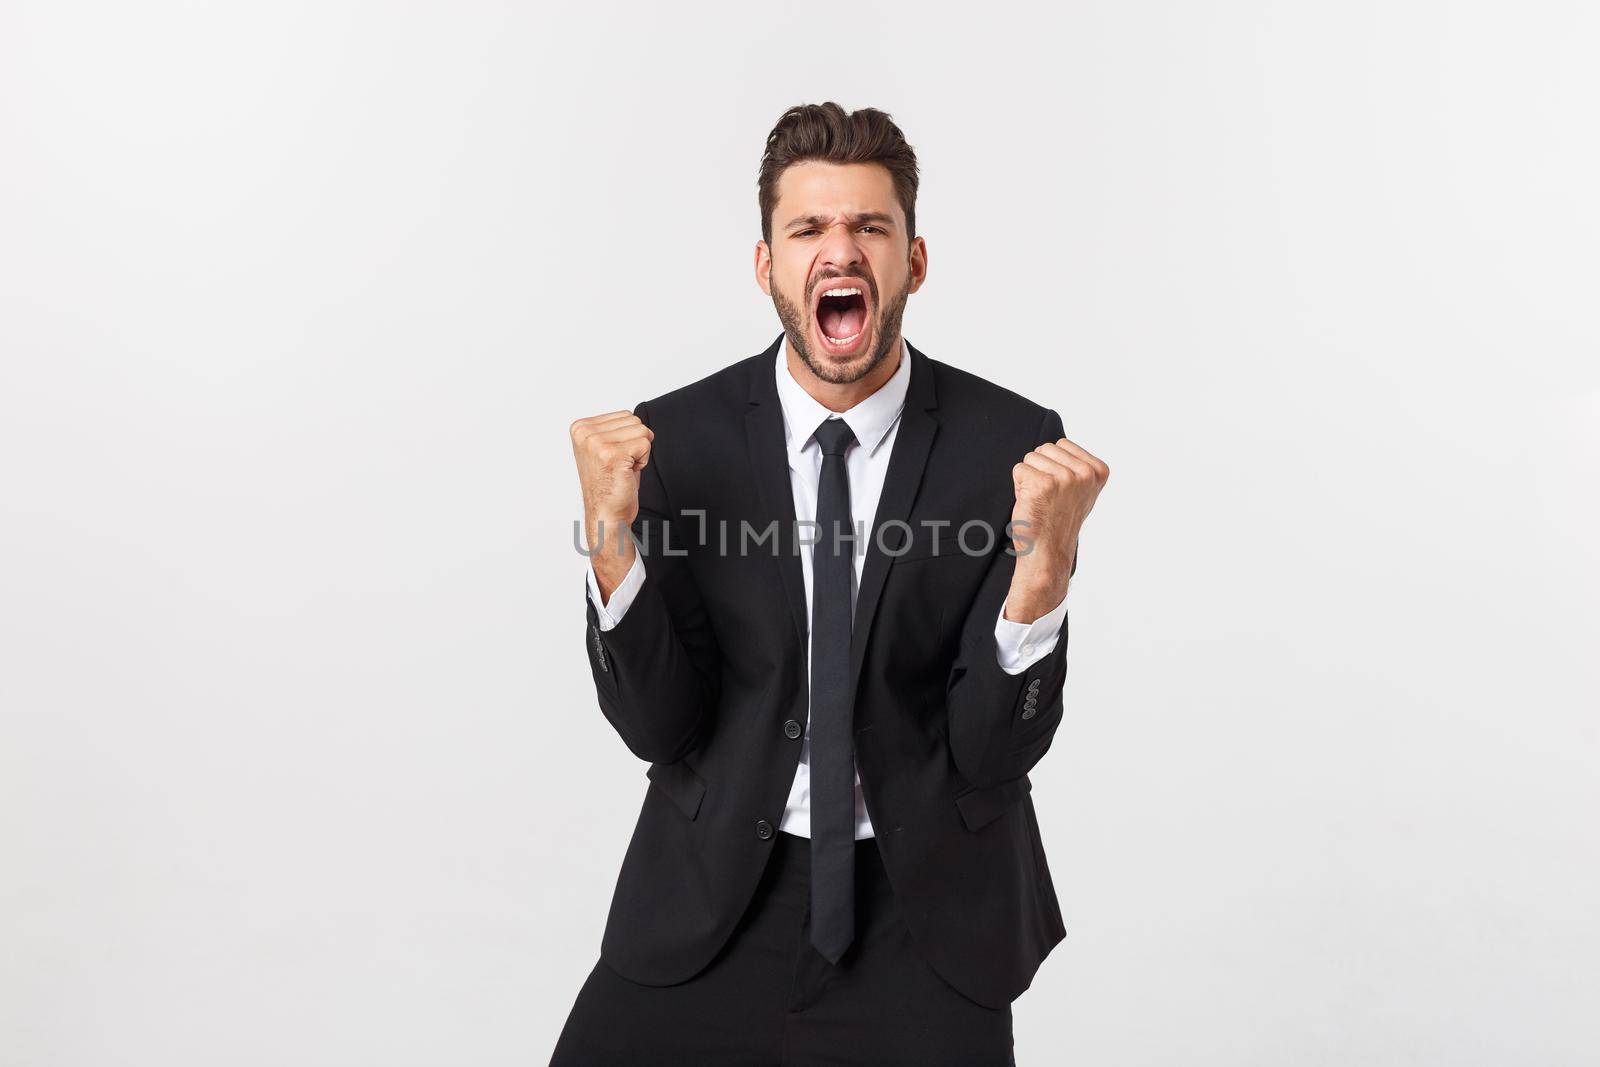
(843, 340)
(842, 292)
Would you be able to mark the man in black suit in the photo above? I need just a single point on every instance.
(837, 633)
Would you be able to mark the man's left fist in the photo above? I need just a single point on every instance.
(1056, 486)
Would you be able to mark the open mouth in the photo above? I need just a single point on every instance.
(841, 315)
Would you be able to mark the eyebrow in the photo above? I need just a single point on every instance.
(855, 220)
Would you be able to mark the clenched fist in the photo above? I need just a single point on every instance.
(1056, 486)
(611, 450)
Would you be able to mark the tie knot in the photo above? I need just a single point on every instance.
(834, 435)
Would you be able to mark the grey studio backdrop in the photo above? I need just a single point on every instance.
(300, 760)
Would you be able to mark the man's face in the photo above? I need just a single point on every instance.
(838, 229)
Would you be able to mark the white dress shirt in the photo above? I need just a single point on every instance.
(874, 421)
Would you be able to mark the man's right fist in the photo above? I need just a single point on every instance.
(611, 450)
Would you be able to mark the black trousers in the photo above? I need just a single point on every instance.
(768, 999)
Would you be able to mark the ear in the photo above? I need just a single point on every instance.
(919, 264)
(764, 267)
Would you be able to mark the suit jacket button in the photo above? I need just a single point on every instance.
(763, 829)
(792, 729)
(1029, 712)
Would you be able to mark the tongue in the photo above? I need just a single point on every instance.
(836, 322)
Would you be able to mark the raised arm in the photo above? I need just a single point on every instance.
(653, 656)
(1003, 720)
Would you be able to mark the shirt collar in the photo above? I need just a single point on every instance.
(870, 420)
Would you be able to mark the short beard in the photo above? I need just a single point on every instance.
(887, 330)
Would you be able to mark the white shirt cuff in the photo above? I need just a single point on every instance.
(621, 596)
(1022, 644)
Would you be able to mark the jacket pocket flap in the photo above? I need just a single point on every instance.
(678, 780)
(980, 807)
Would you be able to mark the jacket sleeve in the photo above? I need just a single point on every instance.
(656, 671)
(1001, 724)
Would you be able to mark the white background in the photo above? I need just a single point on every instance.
(300, 760)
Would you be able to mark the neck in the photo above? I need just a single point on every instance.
(836, 396)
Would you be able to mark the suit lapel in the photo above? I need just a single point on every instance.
(763, 427)
(902, 481)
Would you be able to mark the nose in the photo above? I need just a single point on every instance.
(840, 251)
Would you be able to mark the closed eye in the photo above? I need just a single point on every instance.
(802, 233)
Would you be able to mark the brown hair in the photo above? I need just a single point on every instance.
(828, 133)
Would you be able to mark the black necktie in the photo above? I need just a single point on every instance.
(833, 794)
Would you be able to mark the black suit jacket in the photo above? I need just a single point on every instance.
(708, 665)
